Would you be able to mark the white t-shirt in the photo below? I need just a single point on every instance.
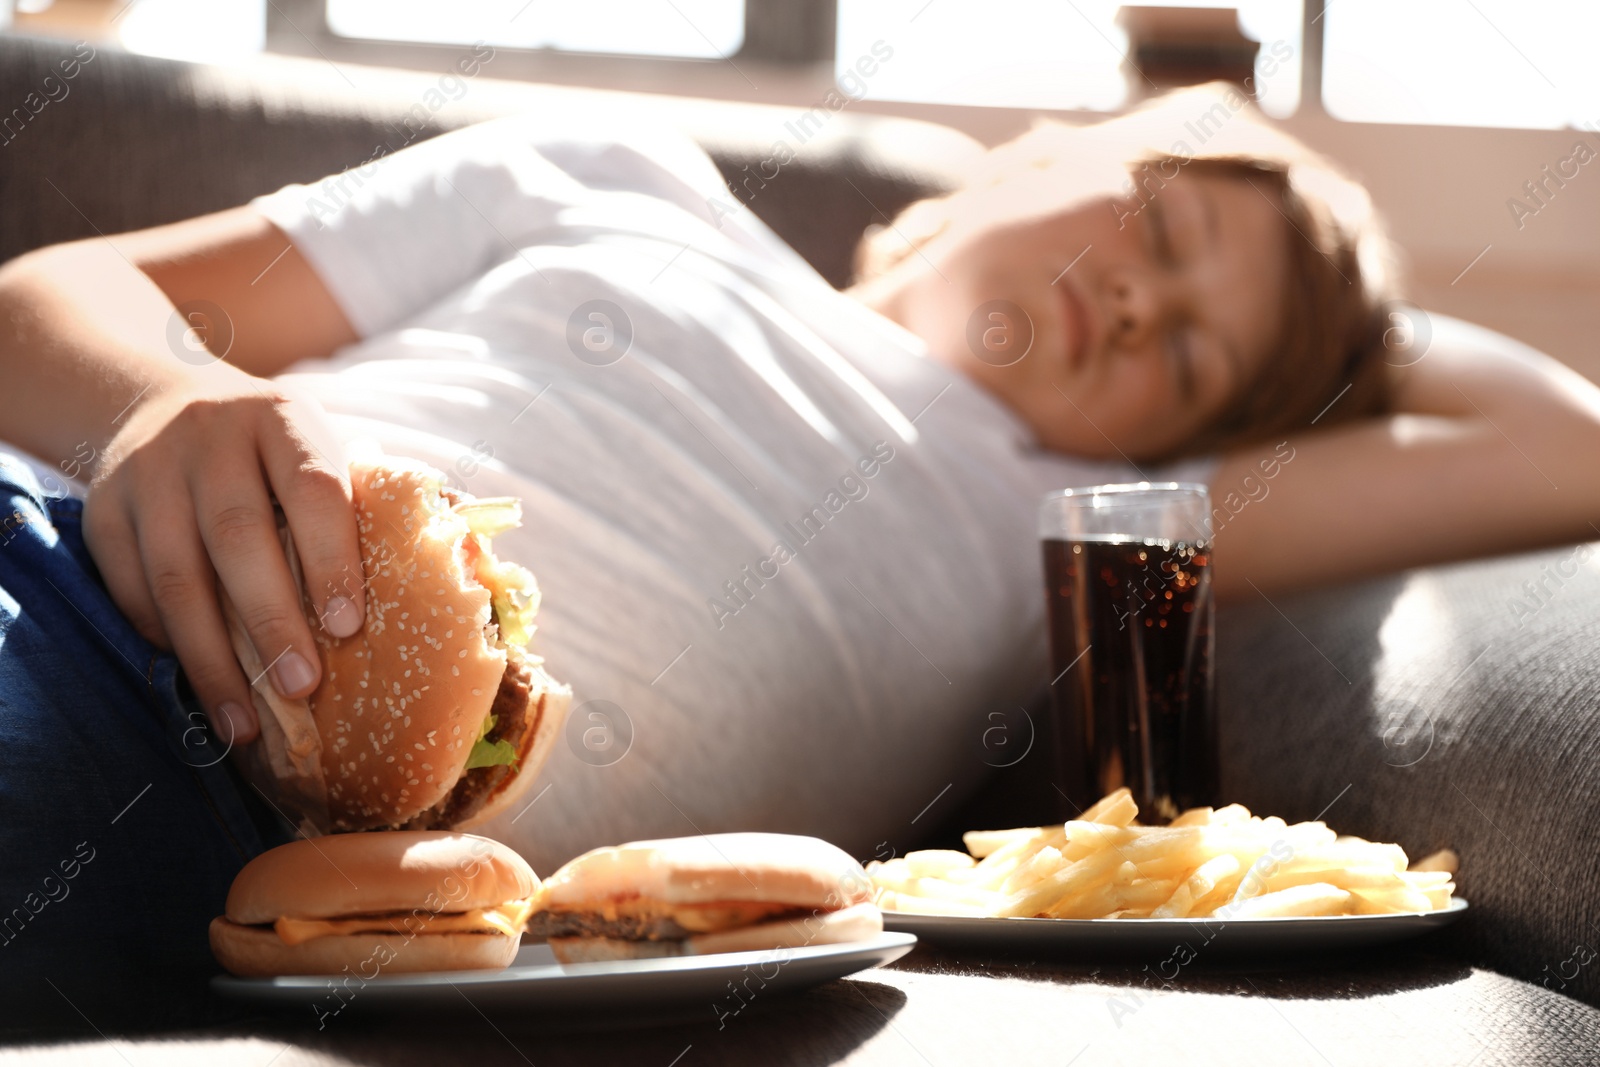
(788, 561)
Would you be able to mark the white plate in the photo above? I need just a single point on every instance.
(1058, 937)
(535, 982)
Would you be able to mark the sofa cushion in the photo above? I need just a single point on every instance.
(139, 141)
(1455, 706)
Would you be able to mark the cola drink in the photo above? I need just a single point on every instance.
(1131, 643)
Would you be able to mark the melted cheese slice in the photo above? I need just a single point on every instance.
(505, 919)
(710, 918)
(695, 918)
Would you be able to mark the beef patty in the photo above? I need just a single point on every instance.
(543, 925)
(515, 719)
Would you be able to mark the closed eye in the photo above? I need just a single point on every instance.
(1161, 233)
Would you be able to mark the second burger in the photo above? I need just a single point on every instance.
(698, 895)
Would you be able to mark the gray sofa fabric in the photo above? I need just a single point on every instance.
(1427, 708)
(1406, 1007)
(1456, 706)
(135, 142)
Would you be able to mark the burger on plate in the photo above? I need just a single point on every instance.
(434, 715)
(698, 895)
(386, 903)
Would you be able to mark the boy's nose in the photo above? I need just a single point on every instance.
(1131, 308)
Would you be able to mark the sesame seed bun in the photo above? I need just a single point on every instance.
(384, 739)
(414, 879)
(394, 746)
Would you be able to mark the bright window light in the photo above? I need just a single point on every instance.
(201, 31)
(1521, 63)
(1039, 53)
(692, 29)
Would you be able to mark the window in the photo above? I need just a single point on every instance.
(1487, 63)
(201, 31)
(1525, 63)
(696, 29)
(1040, 53)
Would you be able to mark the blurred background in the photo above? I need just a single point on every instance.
(1450, 111)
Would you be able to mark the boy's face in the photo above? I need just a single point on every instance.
(1113, 325)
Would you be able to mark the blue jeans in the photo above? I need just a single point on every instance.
(122, 823)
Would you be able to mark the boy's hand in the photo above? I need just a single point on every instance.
(182, 498)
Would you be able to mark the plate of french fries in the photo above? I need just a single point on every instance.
(1102, 881)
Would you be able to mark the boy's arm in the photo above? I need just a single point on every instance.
(1493, 449)
(277, 308)
(92, 325)
(107, 378)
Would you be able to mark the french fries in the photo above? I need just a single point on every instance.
(1223, 864)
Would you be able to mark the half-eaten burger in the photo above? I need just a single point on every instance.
(434, 715)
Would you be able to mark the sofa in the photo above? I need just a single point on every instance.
(1454, 706)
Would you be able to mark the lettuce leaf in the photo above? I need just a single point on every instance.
(492, 754)
(486, 753)
(513, 612)
(490, 515)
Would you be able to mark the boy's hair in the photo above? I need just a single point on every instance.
(1343, 281)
